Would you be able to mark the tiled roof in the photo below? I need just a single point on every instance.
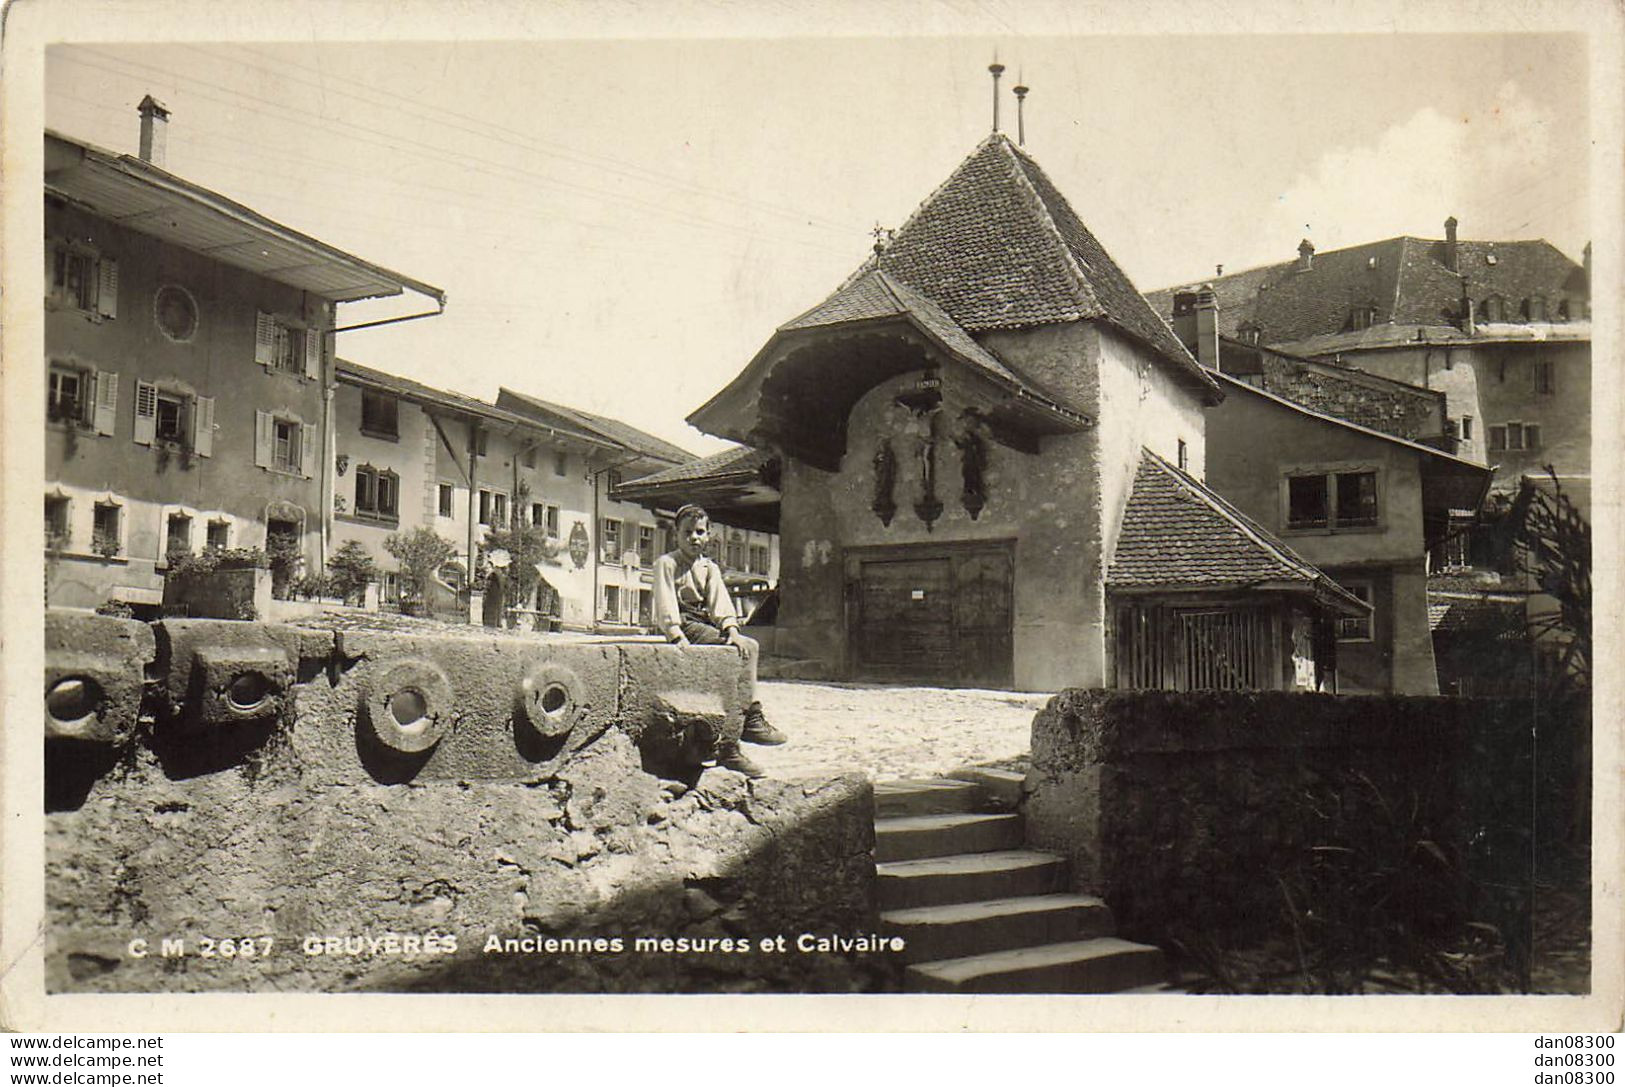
(875, 295)
(1178, 534)
(1501, 614)
(1404, 278)
(741, 460)
(997, 246)
(612, 430)
(353, 373)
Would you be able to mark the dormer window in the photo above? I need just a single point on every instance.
(1535, 309)
(1250, 333)
(1362, 316)
(1494, 308)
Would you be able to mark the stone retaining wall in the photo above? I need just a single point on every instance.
(376, 811)
(1221, 813)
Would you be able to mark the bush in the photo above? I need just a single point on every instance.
(118, 609)
(311, 587)
(420, 553)
(350, 571)
(217, 558)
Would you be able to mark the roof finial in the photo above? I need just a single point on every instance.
(882, 236)
(997, 69)
(1021, 117)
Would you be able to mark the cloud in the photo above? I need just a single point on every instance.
(1491, 168)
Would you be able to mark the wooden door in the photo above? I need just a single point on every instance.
(937, 615)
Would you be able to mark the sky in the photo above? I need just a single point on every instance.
(620, 224)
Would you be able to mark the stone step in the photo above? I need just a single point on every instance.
(940, 932)
(968, 877)
(1003, 788)
(1101, 965)
(933, 797)
(912, 837)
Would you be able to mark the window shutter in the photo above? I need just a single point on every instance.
(106, 401)
(203, 426)
(264, 339)
(307, 450)
(107, 287)
(146, 412)
(263, 438)
(313, 353)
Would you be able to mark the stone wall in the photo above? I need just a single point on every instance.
(385, 812)
(1211, 813)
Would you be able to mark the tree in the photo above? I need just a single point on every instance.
(421, 553)
(526, 546)
(1553, 547)
(350, 571)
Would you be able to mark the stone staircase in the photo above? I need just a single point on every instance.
(981, 914)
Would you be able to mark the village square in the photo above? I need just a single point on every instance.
(1005, 624)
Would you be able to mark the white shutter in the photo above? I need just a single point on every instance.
(106, 401)
(107, 287)
(307, 450)
(263, 438)
(146, 412)
(203, 426)
(264, 338)
(313, 353)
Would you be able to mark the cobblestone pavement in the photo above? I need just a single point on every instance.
(893, 732)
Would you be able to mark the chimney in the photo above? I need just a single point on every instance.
(1306, 255)
(1207, 328)
(1450, 259)
(1196, 323)
(1467, 325)
(154, 124)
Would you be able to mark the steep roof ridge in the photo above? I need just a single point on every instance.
(931, 198)
(1078, 270)
(1057, 240)
(1399, 275)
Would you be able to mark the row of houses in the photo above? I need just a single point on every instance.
(195, 400)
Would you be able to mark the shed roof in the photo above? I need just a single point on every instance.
(1177, 534)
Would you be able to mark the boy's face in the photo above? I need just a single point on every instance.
(692, 534)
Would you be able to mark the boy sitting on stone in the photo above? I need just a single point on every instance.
(692, 607)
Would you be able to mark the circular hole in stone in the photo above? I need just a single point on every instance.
(408, 707)
(248, 691)
(554, 698)
(72, 699)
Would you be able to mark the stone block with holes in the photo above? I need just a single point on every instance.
(455, 706)
(657, 673)
(95, 666)
(217, 672)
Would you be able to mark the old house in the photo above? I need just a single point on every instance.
(1502, 328)
(1363, 505)
(189, 354)
(609, 545)
(413, 456)
(964, 429)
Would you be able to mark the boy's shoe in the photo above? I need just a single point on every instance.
(757, 729)
(729, 757)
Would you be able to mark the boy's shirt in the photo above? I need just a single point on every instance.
(694, 590)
